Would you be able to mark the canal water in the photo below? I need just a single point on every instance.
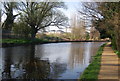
(53, 60)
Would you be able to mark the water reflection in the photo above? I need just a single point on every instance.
(81, 53)
(21, 63)
(54, 61)
(76, 54)
(57, 68)
(0, 64)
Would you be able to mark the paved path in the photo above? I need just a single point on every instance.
(110, 65)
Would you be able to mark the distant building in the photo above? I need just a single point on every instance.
(59, 31)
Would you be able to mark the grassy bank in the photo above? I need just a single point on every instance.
(21, 41)
(114, 47)
(17, 42)
(92, 71)
(117, 52)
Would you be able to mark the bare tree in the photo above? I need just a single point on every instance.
(94, 34)
(78, 28)
(8, 10)
(39, 15)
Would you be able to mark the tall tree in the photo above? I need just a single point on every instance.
(39, 15)
(110, 20)
(8, 10)
(78, 28)
(0, 17)
(106, 19)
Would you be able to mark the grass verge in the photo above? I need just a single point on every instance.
(18, 42)
(117, 52)
(92, 71)
(21, 41)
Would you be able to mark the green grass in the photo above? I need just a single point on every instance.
(117, 52)
(22, 41)
(92, 71)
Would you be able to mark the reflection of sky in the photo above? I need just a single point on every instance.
(60, 52)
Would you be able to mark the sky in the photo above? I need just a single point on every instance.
(72, 7)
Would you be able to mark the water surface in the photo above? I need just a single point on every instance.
(54, 60)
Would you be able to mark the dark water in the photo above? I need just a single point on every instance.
(54, 61)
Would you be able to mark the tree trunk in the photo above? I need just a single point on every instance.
(33, 33)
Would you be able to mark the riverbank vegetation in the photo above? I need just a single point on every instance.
(31, 17)
(22, 41)
(34, 18)
(18, 42)
(92, 71)
(105, 18)
(117, 52)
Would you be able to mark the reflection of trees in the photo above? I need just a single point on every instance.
(81, 53)
(36, 68)
(94, 48)
(91, 49)
(57, 68)
(0, 63)
(24, 66)
(76, 56)
(7, 63)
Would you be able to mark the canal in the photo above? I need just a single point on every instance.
(53, 60)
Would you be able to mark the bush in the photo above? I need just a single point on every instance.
(118, 53)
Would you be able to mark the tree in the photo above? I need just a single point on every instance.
(0, 15)
(21, 29)
(94, 34)
(39, 15)
(110, 12)
(105, 17)
(78, 28)
(8, 10)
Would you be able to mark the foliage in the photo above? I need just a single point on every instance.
(110, 13)
(105, 18)
(114, 48)
(91, 72)
(118, 53)
(21, 29)
(87, 36)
